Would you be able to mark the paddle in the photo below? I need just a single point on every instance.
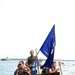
(60, 68)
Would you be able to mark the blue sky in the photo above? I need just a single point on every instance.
(24, 25)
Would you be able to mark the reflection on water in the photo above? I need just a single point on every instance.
(8, 67)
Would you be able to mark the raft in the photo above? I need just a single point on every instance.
(57, 73)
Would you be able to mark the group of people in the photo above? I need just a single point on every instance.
(29, 68)
(53, 69)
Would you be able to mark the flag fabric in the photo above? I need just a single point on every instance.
(48, 47)
(35, 66)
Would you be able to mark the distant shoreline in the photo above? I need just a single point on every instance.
(41, 59)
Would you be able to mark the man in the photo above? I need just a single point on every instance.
(22, 70)
(45, 70)
(32, 62)
(53, 69)
(19, 67)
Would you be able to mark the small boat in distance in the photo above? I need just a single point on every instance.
(5, 59)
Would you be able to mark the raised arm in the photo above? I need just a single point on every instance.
(28, 65)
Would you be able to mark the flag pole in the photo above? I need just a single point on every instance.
(38, 61)
(60, 68)
(37, 53)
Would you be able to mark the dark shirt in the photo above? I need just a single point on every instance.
(20, 72)
(30, 60)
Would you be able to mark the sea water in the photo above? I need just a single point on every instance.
(8, 67)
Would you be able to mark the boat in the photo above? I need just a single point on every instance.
(57, 73)
(5, 59)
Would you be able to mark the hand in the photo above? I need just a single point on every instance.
(58, 69)
(25, 69)
(30, 65)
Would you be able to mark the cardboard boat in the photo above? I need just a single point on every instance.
(57, 73)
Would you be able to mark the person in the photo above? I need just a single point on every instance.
(19, 67)
(31, 62)
(45, 70)
(53, 69)
(22, 70)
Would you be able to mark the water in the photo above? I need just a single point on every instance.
(8, 67)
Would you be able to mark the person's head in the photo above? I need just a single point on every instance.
(21, 64)
(54, 64)
(31, 52)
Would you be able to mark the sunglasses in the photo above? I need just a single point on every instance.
(19, 64)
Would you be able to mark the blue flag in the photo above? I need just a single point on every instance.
(48, 47)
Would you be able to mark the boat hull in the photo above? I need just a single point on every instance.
(58, 73)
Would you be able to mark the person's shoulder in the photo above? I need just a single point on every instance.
(27, 67)
(16, 71)
(29, 57)
(50, 70)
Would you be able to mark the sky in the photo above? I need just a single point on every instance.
(25, 24)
